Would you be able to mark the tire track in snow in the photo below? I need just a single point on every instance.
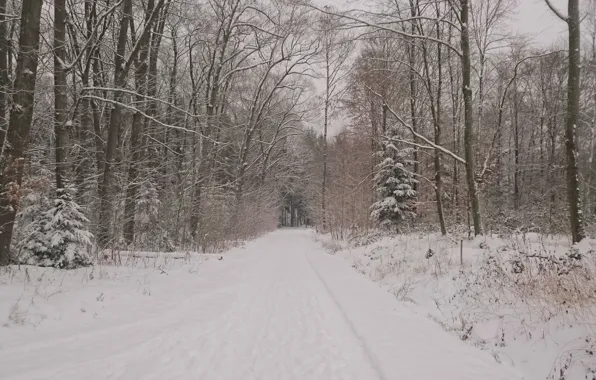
(361, 341)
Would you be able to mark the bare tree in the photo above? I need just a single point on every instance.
(4, 82)
(61, 122)
(21, 115)
(336, 51)
(573, 110)
(122, 66)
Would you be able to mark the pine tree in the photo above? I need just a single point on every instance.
(394, 184)
(59, 237)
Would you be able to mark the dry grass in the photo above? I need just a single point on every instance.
(547, 280)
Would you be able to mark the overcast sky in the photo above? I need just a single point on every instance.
(534, 18)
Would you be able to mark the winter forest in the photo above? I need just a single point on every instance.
(155, 155)
(163, 124)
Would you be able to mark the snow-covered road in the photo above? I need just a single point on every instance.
(280, 309)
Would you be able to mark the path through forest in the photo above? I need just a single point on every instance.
(280, 309)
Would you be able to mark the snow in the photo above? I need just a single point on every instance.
(541, 333)
(278, 308)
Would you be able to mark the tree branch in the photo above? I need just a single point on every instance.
(421, 137)
(381, 27)
(557, 12)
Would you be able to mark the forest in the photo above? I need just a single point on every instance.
(162, 125)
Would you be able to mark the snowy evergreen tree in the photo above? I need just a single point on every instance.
(394, 184)
(59, 238)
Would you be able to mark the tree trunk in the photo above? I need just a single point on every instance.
(4, 82)
(438, 179)
(325, 126)
(573, 109)
(170, 119)
(412, 79)
(153, 148)
(97, 130)
(455, 103)
(21, 116)
(132, 191)
(121, 68)
(516, 149)
(469, 139)
(106, 205)
(60, 93)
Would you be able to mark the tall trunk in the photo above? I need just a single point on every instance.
(96, 112)
(573, 109)
(411, 50)
(438, 179)
(132, 190)
(325, 126)
(4, 82)
(589, 199)
(106, 191)
(589, 205)
(121, 68)
(516, 144)
(455, 103)
(499, 147)
(61, 131)
(373, 150)
(171, 100)
(196, 153)
(91, 117)
(21, 116)
(84, 168)
(435, 108)
(153, 148)
(469, 139)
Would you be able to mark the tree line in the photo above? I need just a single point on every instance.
(166, 124)
(492, 132)
(169, 122)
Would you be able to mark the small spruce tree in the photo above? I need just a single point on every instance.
(394, 184)
(59, 238)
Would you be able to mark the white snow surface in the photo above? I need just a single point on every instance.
(546, 334)
(278, 308)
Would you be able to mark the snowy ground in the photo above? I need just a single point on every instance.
(279, 308)
(542, 324)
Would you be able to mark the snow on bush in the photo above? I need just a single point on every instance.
(59, 238)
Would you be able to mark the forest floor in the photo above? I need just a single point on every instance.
(278, 308)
